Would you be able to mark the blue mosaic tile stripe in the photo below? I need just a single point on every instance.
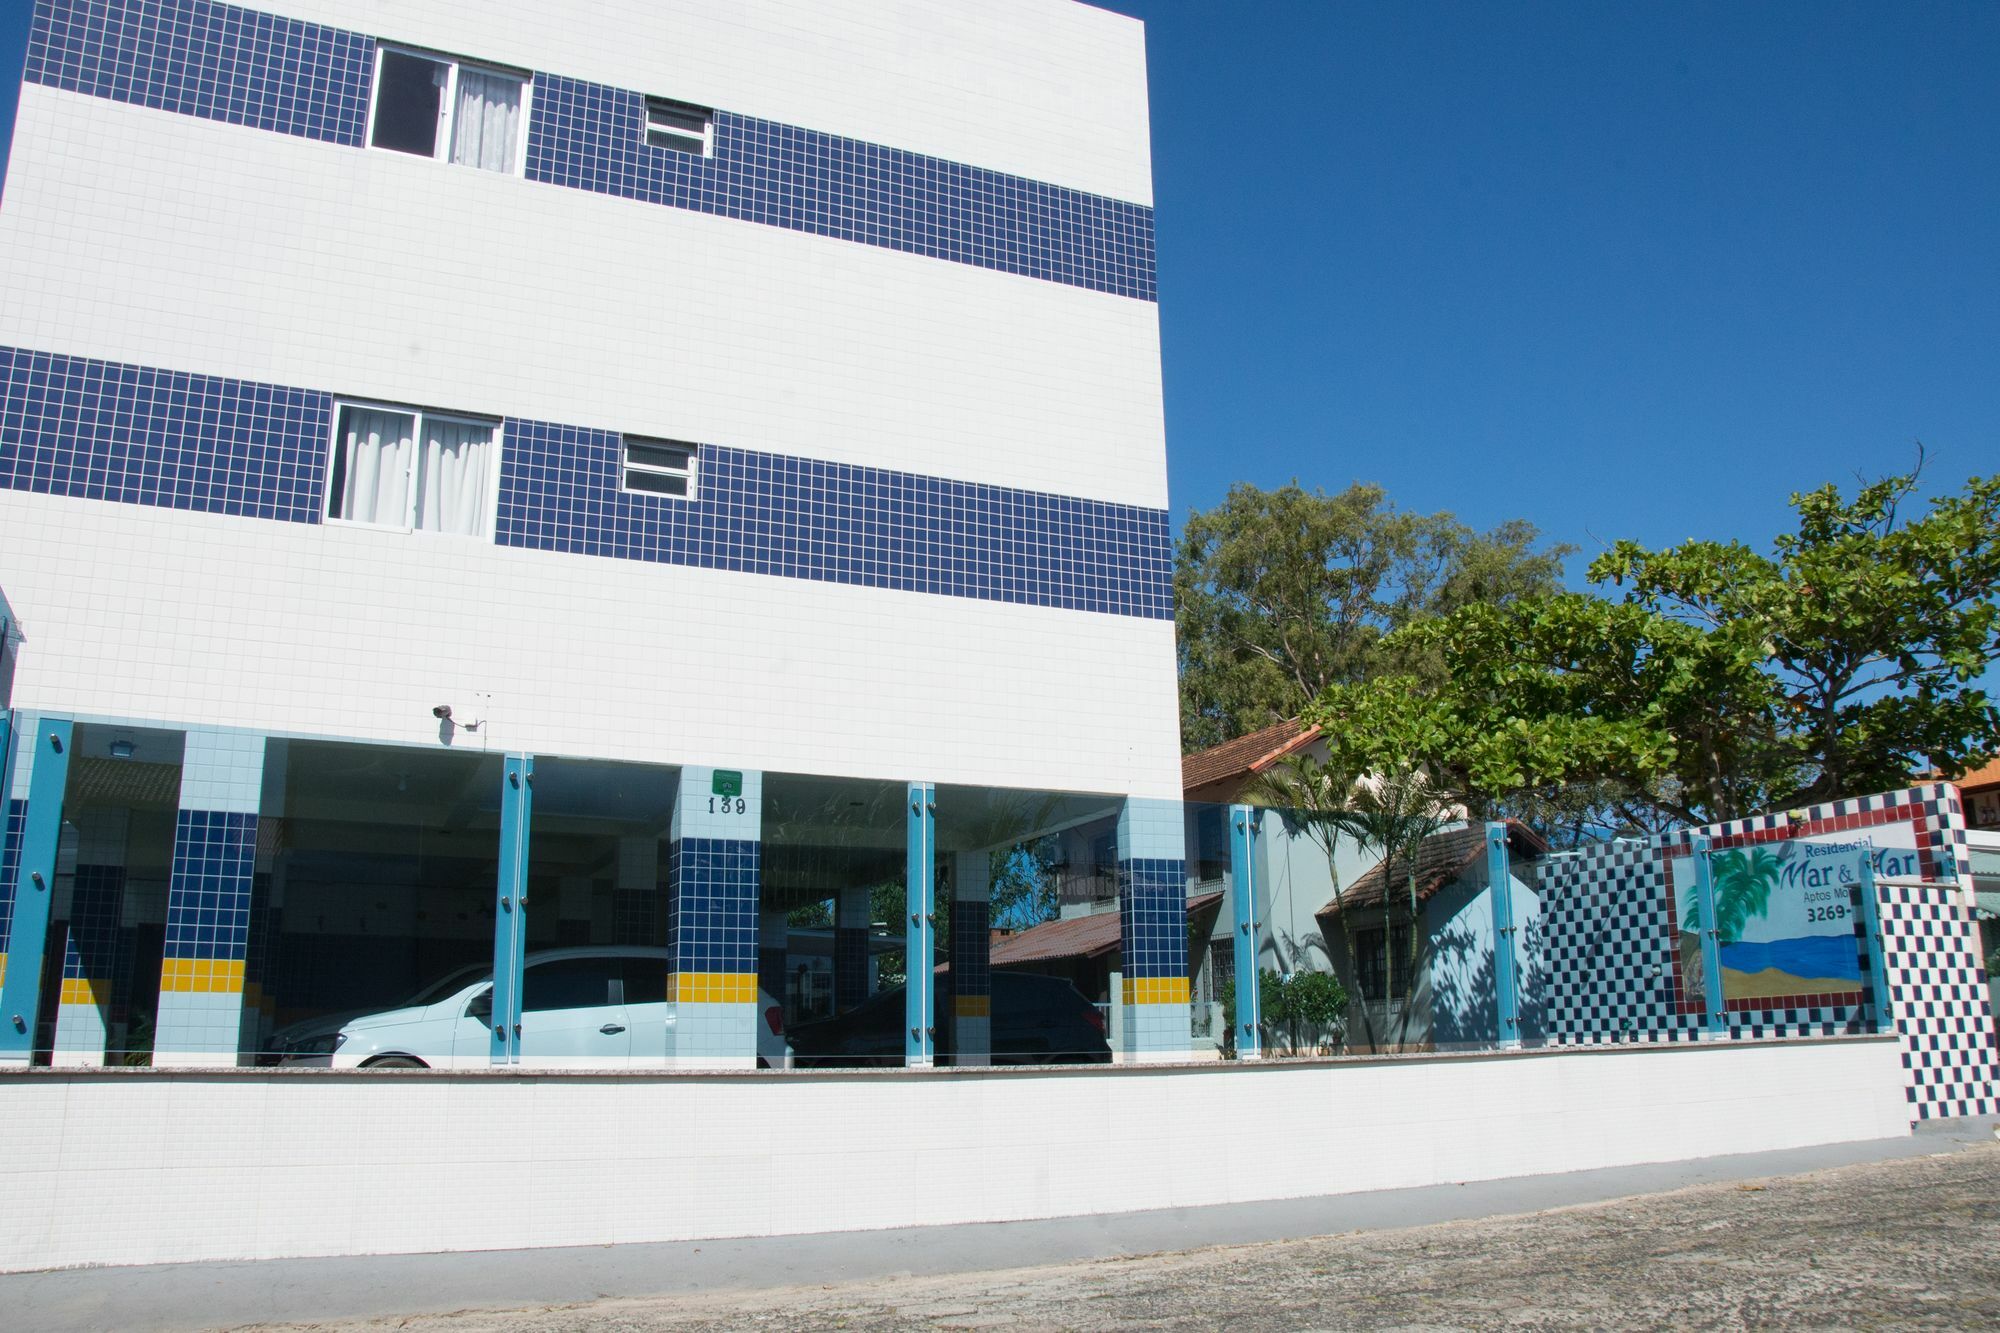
(591, 137)
(208, 896)
(215, 61)
(712, 913)
(225, 63)
(804, 518)
(102, 430)
(1152, 917)
(11, 839)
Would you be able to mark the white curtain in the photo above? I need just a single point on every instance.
(451, 477)
(374, 466)
(486, 120)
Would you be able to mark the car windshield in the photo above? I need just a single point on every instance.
(451, 985)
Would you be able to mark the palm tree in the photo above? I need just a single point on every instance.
(1394, 814)
(1389, 813)
(1742, 882)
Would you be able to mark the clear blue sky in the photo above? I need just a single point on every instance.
(1621, 269)
(1624, 270)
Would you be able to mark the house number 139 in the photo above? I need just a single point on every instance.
(728, 805)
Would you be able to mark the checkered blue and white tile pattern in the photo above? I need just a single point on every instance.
(1614, 970)
(1609, 947)
(1937, 991)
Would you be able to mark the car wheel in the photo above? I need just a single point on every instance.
(396, 1062)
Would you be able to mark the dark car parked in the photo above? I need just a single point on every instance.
(1036, 1021)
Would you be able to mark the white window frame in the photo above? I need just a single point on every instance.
(448, 105)
(422, 414)
(626, 466)
(707, 127)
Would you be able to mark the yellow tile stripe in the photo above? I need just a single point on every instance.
(713, 987)
(82, 990)
(1156, 990)
(210, 976)
(972, 1006)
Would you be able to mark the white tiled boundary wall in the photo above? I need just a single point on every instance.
(148, 1167)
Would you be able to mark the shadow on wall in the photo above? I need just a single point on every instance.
(1463, 987)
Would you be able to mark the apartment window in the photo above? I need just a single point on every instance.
(396, 467)
(435, 106)
(659, 467)
(676, 125)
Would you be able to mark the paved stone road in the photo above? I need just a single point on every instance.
(1905, 1244)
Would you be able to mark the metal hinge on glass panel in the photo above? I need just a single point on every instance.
(659, 467)
(679, 126)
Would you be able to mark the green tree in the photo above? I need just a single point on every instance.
(1274, 1010)
(1392, 813)
(1723, 683)
(1304, 1001)
(1316, 1003)
(1525, 705)
(1872, 624)
(1281, 594)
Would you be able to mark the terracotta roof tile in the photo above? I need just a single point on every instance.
(1442, 859)
(1985, 776)
(1244, 755)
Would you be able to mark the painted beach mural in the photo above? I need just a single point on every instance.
(1786, 917)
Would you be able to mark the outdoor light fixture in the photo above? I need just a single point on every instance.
(122, 749)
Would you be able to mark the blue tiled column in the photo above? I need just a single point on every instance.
(920, 929)
(208, 899)
(716, 884)
(34, 832)
(1244, 892)
(90, 954)
(1506, 982)
(972, 959)
(850, 947)
(1152, 911)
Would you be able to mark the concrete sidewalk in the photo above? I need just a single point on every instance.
(198, 1296)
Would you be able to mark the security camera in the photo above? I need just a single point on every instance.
(442, 712)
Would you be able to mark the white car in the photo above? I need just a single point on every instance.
(586, 1008)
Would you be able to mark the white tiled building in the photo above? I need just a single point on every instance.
(701, 401)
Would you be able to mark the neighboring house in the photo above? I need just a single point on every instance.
(1980, 789)
(1292, 872)
(1367, 935)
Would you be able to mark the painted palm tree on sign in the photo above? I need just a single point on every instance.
(1743, 884)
